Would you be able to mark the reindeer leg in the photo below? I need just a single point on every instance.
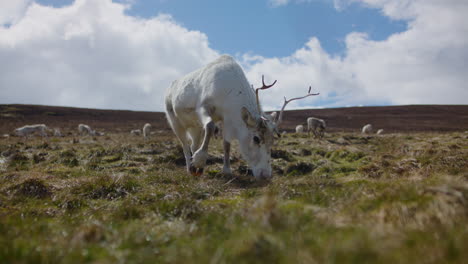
(201, 155)
(227, 162)
(181, 134)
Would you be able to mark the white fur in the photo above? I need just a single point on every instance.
(136, 132)
(316, 126)
(272, 116)
(299, 129)
(85, 130)
(29, 129)
(146, 130)
(380, 132)
(367, 129)
(219, 92)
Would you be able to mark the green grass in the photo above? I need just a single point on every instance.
(344, 199)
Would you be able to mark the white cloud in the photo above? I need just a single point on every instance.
(426, 64)
(91, 54)
(12, 11)
(309, 66)
(278, 2)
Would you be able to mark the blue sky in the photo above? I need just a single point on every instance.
(123, 54)
(258, 27)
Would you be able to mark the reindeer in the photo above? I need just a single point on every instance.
(220, 92)
(84, 129)
(27, 130)
(299, 129)
(316, 126)
(146, 130)
(367, 129)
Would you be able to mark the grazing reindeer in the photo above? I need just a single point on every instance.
(135, 132)
(367, 129)
(317, 126)
(299, 129)
(85, 130)
(220, 92)
(30, 129)
(146, 130)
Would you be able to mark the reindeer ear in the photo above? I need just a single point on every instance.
(247, 117)
(273, 116)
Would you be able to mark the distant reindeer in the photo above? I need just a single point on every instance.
(380, 132)
(27, 130)
(220, 92)
(299, 129)
(135, 132)
(146, 130)
(85, 130)
(317, 126)
(367, 129)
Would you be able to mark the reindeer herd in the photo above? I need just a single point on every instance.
(217, 101)
(83, 130)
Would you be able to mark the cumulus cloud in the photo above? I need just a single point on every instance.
(11, 11)
(278, 2)
(426, 64)
(91, 54)
(309, 66)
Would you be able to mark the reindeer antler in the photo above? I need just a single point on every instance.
(262, 88)
(280, 118)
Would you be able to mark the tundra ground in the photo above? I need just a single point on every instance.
(348, 198)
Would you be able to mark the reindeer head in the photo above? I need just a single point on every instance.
(256, 142)
(256, 145)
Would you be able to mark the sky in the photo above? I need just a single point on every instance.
(123, 54)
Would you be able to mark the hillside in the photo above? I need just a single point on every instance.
(411, 118)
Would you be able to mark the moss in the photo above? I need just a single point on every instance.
(107, 188)
(300, 168)
(113, 158)
(353, 207)
(32, 188)
(18, 160)
(281, 154)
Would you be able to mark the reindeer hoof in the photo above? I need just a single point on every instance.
(196, 171)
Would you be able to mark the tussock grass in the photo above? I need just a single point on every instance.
(348, 198)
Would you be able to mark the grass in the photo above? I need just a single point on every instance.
(396, 198)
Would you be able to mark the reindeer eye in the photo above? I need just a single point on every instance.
(256, 140)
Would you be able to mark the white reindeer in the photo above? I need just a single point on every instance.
(220, 92)
(136, 132)
(380, 131)
(146, 130)
(299, 129)
(29, 129)
(367, 129)
(317, 126)
(85, 130)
